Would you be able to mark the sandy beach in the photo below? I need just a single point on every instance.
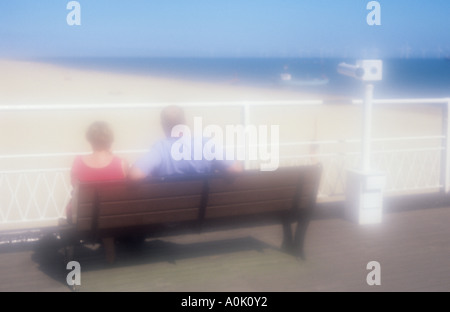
(33, 82)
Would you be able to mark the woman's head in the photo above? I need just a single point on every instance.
(100, 135)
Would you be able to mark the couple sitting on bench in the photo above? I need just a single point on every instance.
(109, 201)
(103, 165)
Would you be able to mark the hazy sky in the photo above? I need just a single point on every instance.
(225, 28)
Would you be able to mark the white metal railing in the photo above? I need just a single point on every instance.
(37, 197)
(70, 107)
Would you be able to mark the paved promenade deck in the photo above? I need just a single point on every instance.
(411, 245)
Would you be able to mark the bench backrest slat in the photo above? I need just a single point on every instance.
(240, 197)
(248, 208)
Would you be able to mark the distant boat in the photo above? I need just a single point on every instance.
(285, 77)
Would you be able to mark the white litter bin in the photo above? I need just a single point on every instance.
(364, 196)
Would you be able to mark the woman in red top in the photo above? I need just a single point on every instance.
(101, 165)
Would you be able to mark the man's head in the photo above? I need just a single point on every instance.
(170, 117)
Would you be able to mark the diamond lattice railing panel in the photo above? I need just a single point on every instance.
(406, 170)
(33, 196)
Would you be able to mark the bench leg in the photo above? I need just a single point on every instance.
(110, 251)
(293, 243)
(69, 253)
(68, 243)
(287, 243)
(299, 238)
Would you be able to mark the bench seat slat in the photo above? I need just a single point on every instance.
(139, 219)
(149, 218)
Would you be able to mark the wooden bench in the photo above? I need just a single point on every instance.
(167, 206)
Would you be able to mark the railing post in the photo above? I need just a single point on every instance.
(445, 147)
(246, 122)
(367, 128)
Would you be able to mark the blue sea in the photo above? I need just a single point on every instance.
(402, 78)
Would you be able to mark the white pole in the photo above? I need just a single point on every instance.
(367, 126)
(246, 122)
(445, 147)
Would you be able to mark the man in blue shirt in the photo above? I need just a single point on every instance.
(160, 161)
